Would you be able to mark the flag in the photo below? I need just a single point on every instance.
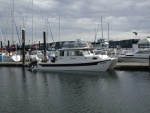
(135, 33)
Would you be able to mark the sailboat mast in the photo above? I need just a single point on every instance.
(32, 21)
(47, 30)
(108, 34)
(1, 34)
(12, 12)
(59, 30)
(102, 31)
(45, 26)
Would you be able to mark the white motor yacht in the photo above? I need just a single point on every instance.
(140, 56)
(76, 57)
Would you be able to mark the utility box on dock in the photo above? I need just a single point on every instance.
(1, 58)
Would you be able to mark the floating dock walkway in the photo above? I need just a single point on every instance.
(132, 66)
(12, 64)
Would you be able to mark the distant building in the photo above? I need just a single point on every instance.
(100, 44)
(101, 40)
(123, 43)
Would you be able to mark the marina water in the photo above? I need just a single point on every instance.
(25, 91)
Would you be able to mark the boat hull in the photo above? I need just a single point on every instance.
(14, 58)
(113, 63)
(113, 60)
(87, 66)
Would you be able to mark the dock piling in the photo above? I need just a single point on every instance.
(8, 49)
(23, 46)
(149, 61)
(1, 44)
(44, 38)
(39, 45)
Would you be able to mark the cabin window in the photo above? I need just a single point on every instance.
(80, 53)
(70, 53)
(86, 52)
(61, 53)
(75, 53)
(91, 51)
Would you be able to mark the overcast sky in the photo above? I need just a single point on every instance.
(72, 19)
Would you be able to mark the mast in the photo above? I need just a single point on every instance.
(50, 29)
(59, 31)
(102, 31)
(1, 34)
(108, 34)
(12, 13)
(96, 31)
(23, 23)
(45, 24)
(32, 21)
(47, 30)
(95, 37)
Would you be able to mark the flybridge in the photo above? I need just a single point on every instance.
(77, 44)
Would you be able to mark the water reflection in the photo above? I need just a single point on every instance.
(72, 92)
(22, 90)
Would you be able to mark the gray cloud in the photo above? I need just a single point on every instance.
(77, 18)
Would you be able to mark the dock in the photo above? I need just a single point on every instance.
(119, 66)
(132, 66)
(12, 64)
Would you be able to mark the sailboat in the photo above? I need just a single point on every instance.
(13, 54)
(10, 56)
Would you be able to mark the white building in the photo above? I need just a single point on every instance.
(144, 43)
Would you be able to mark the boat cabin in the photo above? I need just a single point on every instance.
(75, 55)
